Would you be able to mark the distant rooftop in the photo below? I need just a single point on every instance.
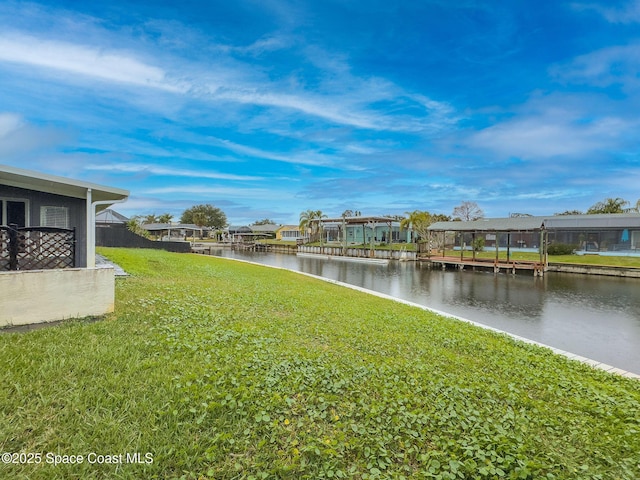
(554, 222)
(152, 227)
(360, 220)
(110, 216)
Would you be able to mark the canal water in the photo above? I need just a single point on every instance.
(593, 316)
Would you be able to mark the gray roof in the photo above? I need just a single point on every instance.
(152, 227)
(43, 182)
(238, 229)
(110, 216)
(360, 220)
(514, 224)
(267, 228)
(601, 221)
(556, 222)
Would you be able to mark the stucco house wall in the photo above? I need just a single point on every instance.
(37, 296)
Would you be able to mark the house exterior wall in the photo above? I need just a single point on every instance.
(612, 240)
(289, 233)
(38, 296)
(76, 213)
(364, 234)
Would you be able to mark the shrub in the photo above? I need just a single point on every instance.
(478, 244)
(561, 249)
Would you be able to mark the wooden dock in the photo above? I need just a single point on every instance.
(495, 265)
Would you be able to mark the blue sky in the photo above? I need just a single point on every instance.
(266, 108)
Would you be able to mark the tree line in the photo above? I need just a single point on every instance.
(608, 205)
(419, 220)
(207, 215)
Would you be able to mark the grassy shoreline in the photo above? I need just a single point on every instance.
(228, 370)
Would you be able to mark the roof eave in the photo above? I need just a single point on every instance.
(43, 182)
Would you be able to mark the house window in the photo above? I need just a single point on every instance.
(54, 217)
(13, 212)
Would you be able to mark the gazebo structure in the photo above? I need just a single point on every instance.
(600, 234)
(171, 230)
(503, 234)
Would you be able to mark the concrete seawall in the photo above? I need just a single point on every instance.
(608, 270)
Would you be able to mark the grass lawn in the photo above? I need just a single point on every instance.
(288, 243)
(224, 370)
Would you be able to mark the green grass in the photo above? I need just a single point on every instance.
(272, 241)
(224, 370)
(573, 259)
(596, 260)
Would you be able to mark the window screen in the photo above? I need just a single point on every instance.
(54, 217)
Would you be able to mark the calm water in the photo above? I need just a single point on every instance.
(596, 317)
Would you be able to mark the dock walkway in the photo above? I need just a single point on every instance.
(497, 265)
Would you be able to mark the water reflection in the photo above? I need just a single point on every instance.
(597, 317)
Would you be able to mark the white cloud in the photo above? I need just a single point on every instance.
(226, 192)
(260, 46)
(308, 158)
(18, 137)
(9, 122)
(629, 13)
(84, 60)
(570, 126)
(544, 137)
(604, 67)
(338, 96)
(557, 194)
(167, 171)
(328, 108)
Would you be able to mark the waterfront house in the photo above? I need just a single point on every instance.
(47, 247)
(363, 230)
(175, 231)
(290, 233)
(267, 230)
(602, 234)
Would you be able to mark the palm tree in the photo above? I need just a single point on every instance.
(418, 221)
(305, 221)
(135, 225)
(151, 218)
(165, 218)
(609, 205)
(310, 220)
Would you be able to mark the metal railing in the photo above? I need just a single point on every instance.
(36, 248)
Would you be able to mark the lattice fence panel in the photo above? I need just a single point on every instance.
(46, 249)
(4, 249)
